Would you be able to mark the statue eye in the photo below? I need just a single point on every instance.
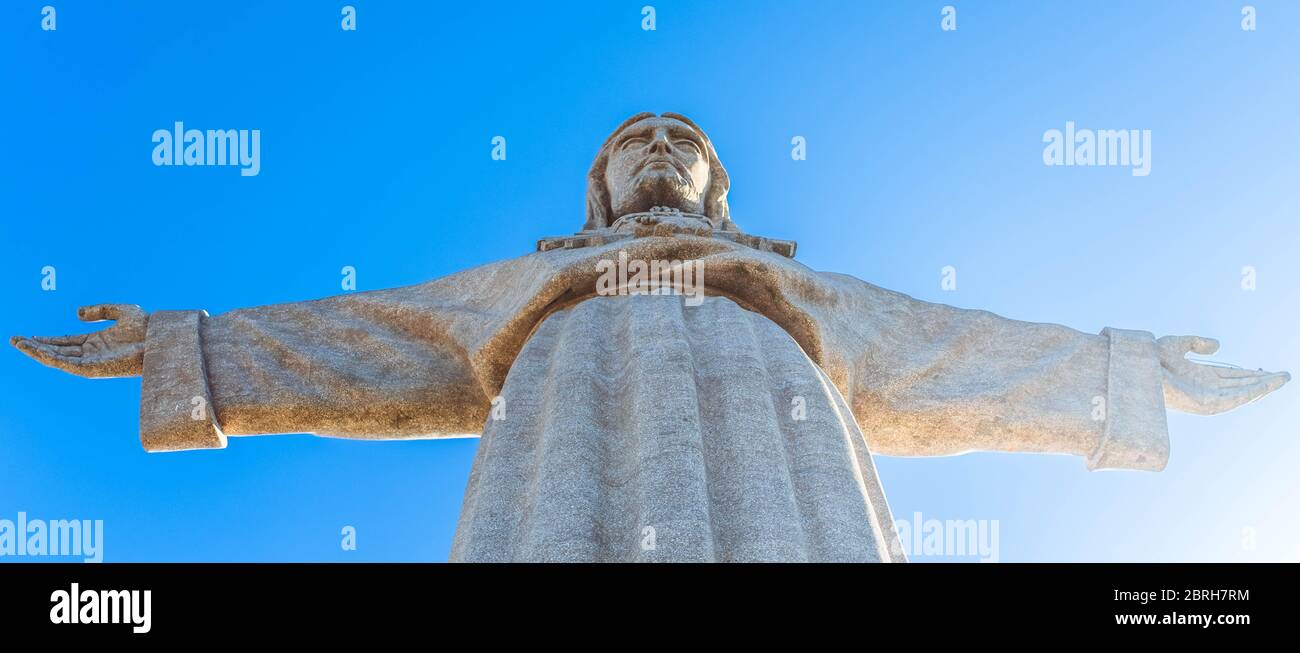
(632, 142)
(687, 144)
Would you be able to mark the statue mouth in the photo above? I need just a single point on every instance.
(648, 163)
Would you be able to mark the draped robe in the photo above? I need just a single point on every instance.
(644, 428)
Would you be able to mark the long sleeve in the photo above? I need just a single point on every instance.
(352, 366)
(930, 379)
(415, 362)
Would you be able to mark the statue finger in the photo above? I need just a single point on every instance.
(1275, 380)
(76, 339)
(1184, 344)
(101, 312)
(1235, 372)
(1238, 381)
(1233, 397)
(46, 354)
(1174, 346)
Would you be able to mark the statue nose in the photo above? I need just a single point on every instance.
(660, 144)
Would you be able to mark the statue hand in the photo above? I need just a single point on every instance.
(662, 224)
(115, 351)
(1209, 389)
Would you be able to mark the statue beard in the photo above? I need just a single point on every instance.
(658, 188)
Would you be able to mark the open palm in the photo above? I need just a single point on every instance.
(112, 352)
(1209, 389)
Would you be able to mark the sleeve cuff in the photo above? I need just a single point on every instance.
(1136, 433)
(176, 411)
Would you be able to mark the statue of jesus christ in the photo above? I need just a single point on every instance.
(631, 424)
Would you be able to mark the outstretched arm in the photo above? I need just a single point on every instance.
(409, 362)
(931, 379)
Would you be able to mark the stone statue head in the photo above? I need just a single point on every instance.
(657, 161)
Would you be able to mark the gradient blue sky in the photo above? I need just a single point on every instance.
(924, 150)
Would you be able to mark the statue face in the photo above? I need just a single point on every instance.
(657, 162)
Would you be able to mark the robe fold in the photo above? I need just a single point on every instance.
(651, 430)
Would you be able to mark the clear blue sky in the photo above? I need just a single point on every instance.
(924, 150)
